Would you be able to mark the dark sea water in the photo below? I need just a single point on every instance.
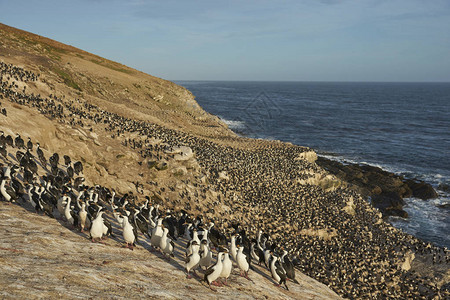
(400, 127)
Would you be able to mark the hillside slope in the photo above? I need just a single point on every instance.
(144, 136)
(73, 73)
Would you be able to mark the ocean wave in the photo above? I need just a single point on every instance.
(426, 220)
(233, 124)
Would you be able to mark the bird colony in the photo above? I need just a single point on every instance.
(278, 221)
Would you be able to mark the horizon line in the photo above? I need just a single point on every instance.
(305, 81)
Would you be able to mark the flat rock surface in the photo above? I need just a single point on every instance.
(41, 258)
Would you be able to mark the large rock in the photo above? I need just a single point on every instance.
(387, 201)
(421, 190)
(390, 204)
(309, 156)
(182, 153)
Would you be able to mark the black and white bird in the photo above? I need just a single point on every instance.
(166, 245)
(29, 144)
(78, 167)
(70, 215)
(18, 141)
(278, 273)
(243, 262)
(288, 266)
(40, 155)
(8, 194)
(129, 234)
(193, 259)
(205, 254)
(66, 160)
(96, 230)
(213, 273)
(227, 266)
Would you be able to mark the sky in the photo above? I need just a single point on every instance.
(273, 40)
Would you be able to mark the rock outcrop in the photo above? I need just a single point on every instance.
(386, 190)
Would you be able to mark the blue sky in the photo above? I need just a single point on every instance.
(303, 40)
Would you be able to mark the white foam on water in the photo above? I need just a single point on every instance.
(426, 220)
(233, 124)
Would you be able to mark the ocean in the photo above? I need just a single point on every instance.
(401, 127)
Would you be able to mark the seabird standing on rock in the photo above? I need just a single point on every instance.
(70, 215)
(29, 144)
(78, 167)
(205, 254)
(83, 219)
(8, 194)
(40, 155)
(227, 266)
(242, 262)
(193, 259)
(214, 272)
(233, 247)
(9, 140)
(167, 246)
(19, 142)
(157, 233)
(128, 233)
(61, 204)
(278, 273)
(189, 244)
(96, 231)
(288, 266)
(66, 160)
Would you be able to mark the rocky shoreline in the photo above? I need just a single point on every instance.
(385, 189)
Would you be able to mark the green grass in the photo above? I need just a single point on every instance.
(109, 66)
(53, 52)
(67, 79)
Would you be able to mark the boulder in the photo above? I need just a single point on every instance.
(309, 156)
(421, 190)
(179, 171)
(151, 164)
(223, 176)
(444, 187)
(388, 201)
(162, 165)
(182, 153)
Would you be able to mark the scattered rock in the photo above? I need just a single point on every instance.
(162, 165)
(179, 171)
(151, 164)
(409, 257)
(223, 176)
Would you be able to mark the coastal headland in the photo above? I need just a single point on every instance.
(144, 136)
